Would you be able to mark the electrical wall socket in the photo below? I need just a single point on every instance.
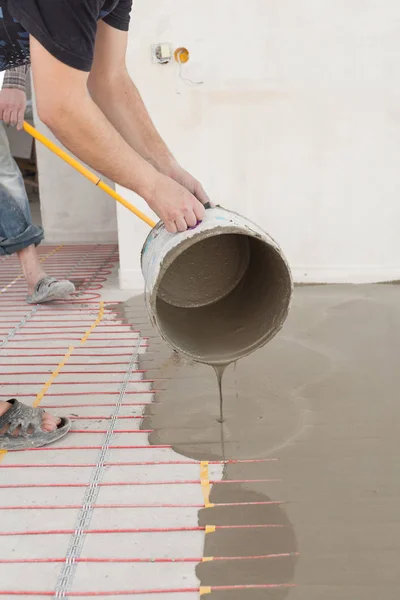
(161, 53)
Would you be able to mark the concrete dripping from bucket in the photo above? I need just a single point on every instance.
(219, 371)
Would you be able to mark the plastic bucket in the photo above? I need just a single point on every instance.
(217, 292)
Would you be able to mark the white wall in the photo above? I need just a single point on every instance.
(73, 209)
(297, 124)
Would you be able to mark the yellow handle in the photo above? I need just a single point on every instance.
(86, 173)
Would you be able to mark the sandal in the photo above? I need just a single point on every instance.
(31, 434)
(49, 289)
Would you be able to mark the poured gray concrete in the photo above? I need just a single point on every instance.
(323, 398)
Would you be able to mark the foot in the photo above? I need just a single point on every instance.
(49, 423)
(49, 289)
(23, 427)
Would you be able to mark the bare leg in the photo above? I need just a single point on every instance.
(31, 267)
(40, 287)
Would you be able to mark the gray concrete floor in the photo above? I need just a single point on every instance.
(318, 406)
(323, 399)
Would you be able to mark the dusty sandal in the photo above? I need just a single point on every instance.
(30, 433)
(49, 289)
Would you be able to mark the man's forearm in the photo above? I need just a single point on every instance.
(85, 131)
(123, 106)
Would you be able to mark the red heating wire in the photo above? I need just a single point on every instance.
(18, 373)
(52, 406)
(47, 355)
(136, 483)
(82, 300)
(148, 560)
(82, 325)
(139, 530)
(53, 311)
(65, 267)
(91, 288)
(86, 273)
(63, 394)
(147, 506)
(135, 463)
(88, 431)
(71, 339)
(70, 364)
(77, 349)
(194, 590)
(131, 381)
(97, 447)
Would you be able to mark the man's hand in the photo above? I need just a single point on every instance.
(12, 107)
(190, 183)
(175, 205)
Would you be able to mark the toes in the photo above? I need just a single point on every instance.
(49, 426)
(49, 423)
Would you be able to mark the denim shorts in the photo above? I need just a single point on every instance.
(16, 229)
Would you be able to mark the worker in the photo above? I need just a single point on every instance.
(84, 94)
(18, 235)
(17, 232)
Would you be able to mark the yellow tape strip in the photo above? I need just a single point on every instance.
(205, 482)
(10, 284)
(93, 327)
(53, 376)
(210, 529)
(2, 454)
(67, 355)
(205, 590)
(52, 252)
(208, 558)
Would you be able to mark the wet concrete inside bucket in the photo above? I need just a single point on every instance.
(206, 271)
(250, 286)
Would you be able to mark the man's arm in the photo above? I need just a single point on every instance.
(13, 96)
(115, 93)
(66, 107)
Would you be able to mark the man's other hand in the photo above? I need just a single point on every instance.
(12, 107)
